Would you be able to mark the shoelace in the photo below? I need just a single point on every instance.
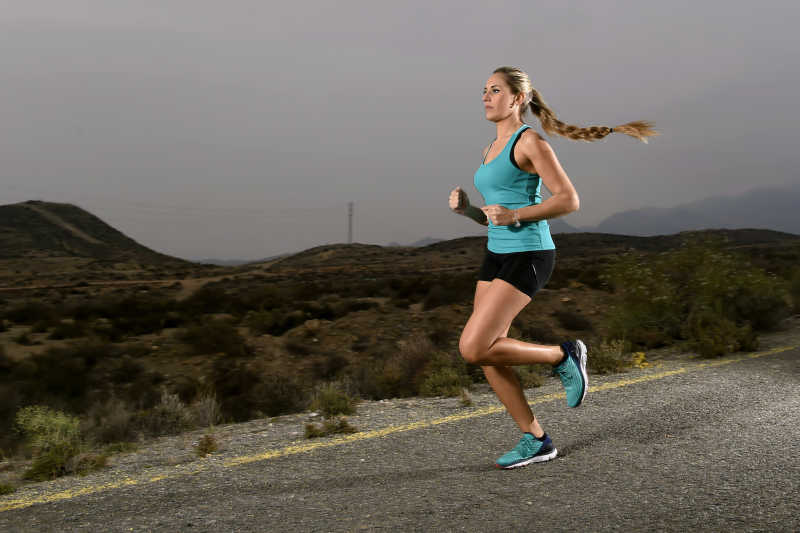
(525, 447)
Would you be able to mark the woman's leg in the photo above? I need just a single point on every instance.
(505, 383)
(483, 342)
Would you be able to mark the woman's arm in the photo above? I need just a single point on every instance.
(459, 203)
(537, 155)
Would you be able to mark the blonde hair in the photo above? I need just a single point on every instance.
(520, 83)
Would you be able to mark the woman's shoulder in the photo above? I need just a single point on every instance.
(531, 142)
(529, 135)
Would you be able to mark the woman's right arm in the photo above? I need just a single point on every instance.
(459, 203)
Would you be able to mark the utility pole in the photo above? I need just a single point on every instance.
(350, 223)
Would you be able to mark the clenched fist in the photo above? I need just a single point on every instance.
(459, 202)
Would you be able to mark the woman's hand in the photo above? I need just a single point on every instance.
(459, 202)
(499, 215)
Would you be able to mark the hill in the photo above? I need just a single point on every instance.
(47, 230)
(772, 208)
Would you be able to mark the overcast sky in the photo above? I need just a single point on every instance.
(241, 129)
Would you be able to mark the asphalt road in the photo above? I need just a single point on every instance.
(714, 448)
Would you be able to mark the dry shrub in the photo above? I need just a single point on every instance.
(466, 397)
(297, 346)
(529, 376)
(83, 463)
(205, 410)
(207, 444)
(215, 336)
(445, 375)
(169, 417)
(403, 370)
(329, 427)
(539, 334)
(253, 389)
(609, 357)
(572, 321)
(111, 422)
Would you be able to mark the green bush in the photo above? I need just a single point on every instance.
(655, 296)
(331, 401)
(54, 438)
(5, 488)
(711, 334)
(446, 381)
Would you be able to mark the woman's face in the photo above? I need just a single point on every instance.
(498, 100)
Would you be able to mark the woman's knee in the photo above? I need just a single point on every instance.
(472, 349)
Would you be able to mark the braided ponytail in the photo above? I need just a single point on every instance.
(520, 83)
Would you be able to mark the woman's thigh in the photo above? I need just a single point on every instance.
(496, 305)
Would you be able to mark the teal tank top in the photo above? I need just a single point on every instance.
(501, 182)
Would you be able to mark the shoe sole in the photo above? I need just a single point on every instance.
(582, 356)
(534, 459)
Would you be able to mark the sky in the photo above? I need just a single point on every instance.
(242, 129)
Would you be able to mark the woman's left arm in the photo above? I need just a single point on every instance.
(534, 154)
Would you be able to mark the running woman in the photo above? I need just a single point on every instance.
(520, 253)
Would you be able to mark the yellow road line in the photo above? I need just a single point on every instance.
(186, 470)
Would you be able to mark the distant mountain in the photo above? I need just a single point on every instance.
(422, 242)
(238, 262)
(775, 208)
(556, 226)
(37, 229)
(559, 226)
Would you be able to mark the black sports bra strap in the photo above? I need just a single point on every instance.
(511, 153)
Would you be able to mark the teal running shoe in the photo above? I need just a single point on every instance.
(572, 371)
(529, 450)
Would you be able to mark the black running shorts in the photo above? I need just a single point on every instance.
(527, 271)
